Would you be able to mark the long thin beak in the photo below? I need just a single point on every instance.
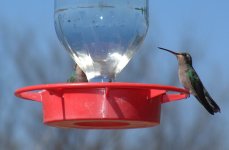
(169, 51)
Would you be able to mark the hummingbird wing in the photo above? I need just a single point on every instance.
(201, 93)
(197, 86)
(72, 78)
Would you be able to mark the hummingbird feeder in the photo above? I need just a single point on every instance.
(101, 37)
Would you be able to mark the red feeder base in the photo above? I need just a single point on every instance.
(102, 105)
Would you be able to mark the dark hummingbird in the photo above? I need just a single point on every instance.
(78, 75)
(191, 81)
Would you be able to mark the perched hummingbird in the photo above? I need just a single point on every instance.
(191, 81)
(78, 75)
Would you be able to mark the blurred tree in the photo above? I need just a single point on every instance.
(24, 62)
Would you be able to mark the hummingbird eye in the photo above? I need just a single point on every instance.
(187, 55)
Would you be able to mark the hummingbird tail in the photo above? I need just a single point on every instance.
(208, 103)
(214, 107)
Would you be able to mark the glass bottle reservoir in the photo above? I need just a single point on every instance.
(101, 35)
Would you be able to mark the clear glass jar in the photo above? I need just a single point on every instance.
(101, 35)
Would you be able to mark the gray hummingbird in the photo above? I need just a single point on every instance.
(78, 75)
(191, 81)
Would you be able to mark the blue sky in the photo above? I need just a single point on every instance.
(203, 22)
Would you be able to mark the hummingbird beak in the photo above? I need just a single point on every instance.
(169, 51)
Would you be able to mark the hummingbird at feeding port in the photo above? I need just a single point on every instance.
(191, 81)
(78, 75)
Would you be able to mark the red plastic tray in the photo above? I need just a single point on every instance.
(102, 105)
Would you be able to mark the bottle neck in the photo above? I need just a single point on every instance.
(101, 79)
